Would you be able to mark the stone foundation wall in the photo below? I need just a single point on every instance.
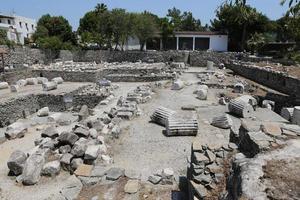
(21, 107)
(136, 78)
(19, 56)
(200, 58)
(24, 55)
(67, 76)
(15, 109)
(14, 76)
(272, 79)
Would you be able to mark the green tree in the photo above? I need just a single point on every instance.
(96, 27)
(121, 26)
(144, 27)
(183, 21)
(50, 29)
(240, 22)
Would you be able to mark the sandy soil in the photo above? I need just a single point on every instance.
(283, 179)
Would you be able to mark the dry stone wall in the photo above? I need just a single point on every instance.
(24, 55)
(272, 79)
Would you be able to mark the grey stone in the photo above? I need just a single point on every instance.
(14, 88)
(154, 179)
(2, 137)
(92, 152)
(51, 168)
(223, 121)
(16, 162)
(114, 173)
(67, 138)
(79, 148)
(99, 171)
(65, 149)
(42, 80)
(199, 189)
(50, 132)
(58, 80)
(202, 178)
(32, 169)
(15, 130)
(49, 86)
(82, 131)
(43, 112)
(83, 113)
(167, 173)
(93, 133)
(131, 187)
(72, 189)
(132, 174)
(200, 158)
(66, 161)
(116, 131)
(89, 181)
(76, 162)
(210, 155)
(105, 119)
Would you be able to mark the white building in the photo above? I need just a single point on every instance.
(18, 28)
(185, 40)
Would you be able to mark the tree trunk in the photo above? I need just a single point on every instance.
(142, 46)
(244, 37)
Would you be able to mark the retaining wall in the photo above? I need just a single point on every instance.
(272, 79)
(17, 108)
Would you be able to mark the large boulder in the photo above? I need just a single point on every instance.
(43, 112)
(32, 81)
(58, 80)
(82, 131)
(3, 85)
(67, 138)
(32, 169)
(49, 86)
(72, 188)
(92, 152)
(50, 132)
(177, 85)
(16, 130)
(16, 162)
(83, 113)
(51, 168)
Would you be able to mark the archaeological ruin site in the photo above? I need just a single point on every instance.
(148, 125)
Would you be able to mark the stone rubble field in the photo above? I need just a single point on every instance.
(204, 134)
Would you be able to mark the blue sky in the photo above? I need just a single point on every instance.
(73, 10)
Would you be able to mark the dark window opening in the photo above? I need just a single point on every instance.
(185, 43)
(201, 44)
(153, 44)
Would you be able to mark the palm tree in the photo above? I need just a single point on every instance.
(100, 8)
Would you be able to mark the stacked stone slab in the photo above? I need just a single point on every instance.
(161, 115)
(287, 113)
(296, 115)
(240, 108)
(49, 86)
(206, 169)
(181, 127)
(223, 121)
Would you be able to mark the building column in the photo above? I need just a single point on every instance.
(160, 44)
(177, 43)
(194, 39)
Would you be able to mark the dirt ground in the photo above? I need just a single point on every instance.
(142, 146)
(283, 179)
(290, 70)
